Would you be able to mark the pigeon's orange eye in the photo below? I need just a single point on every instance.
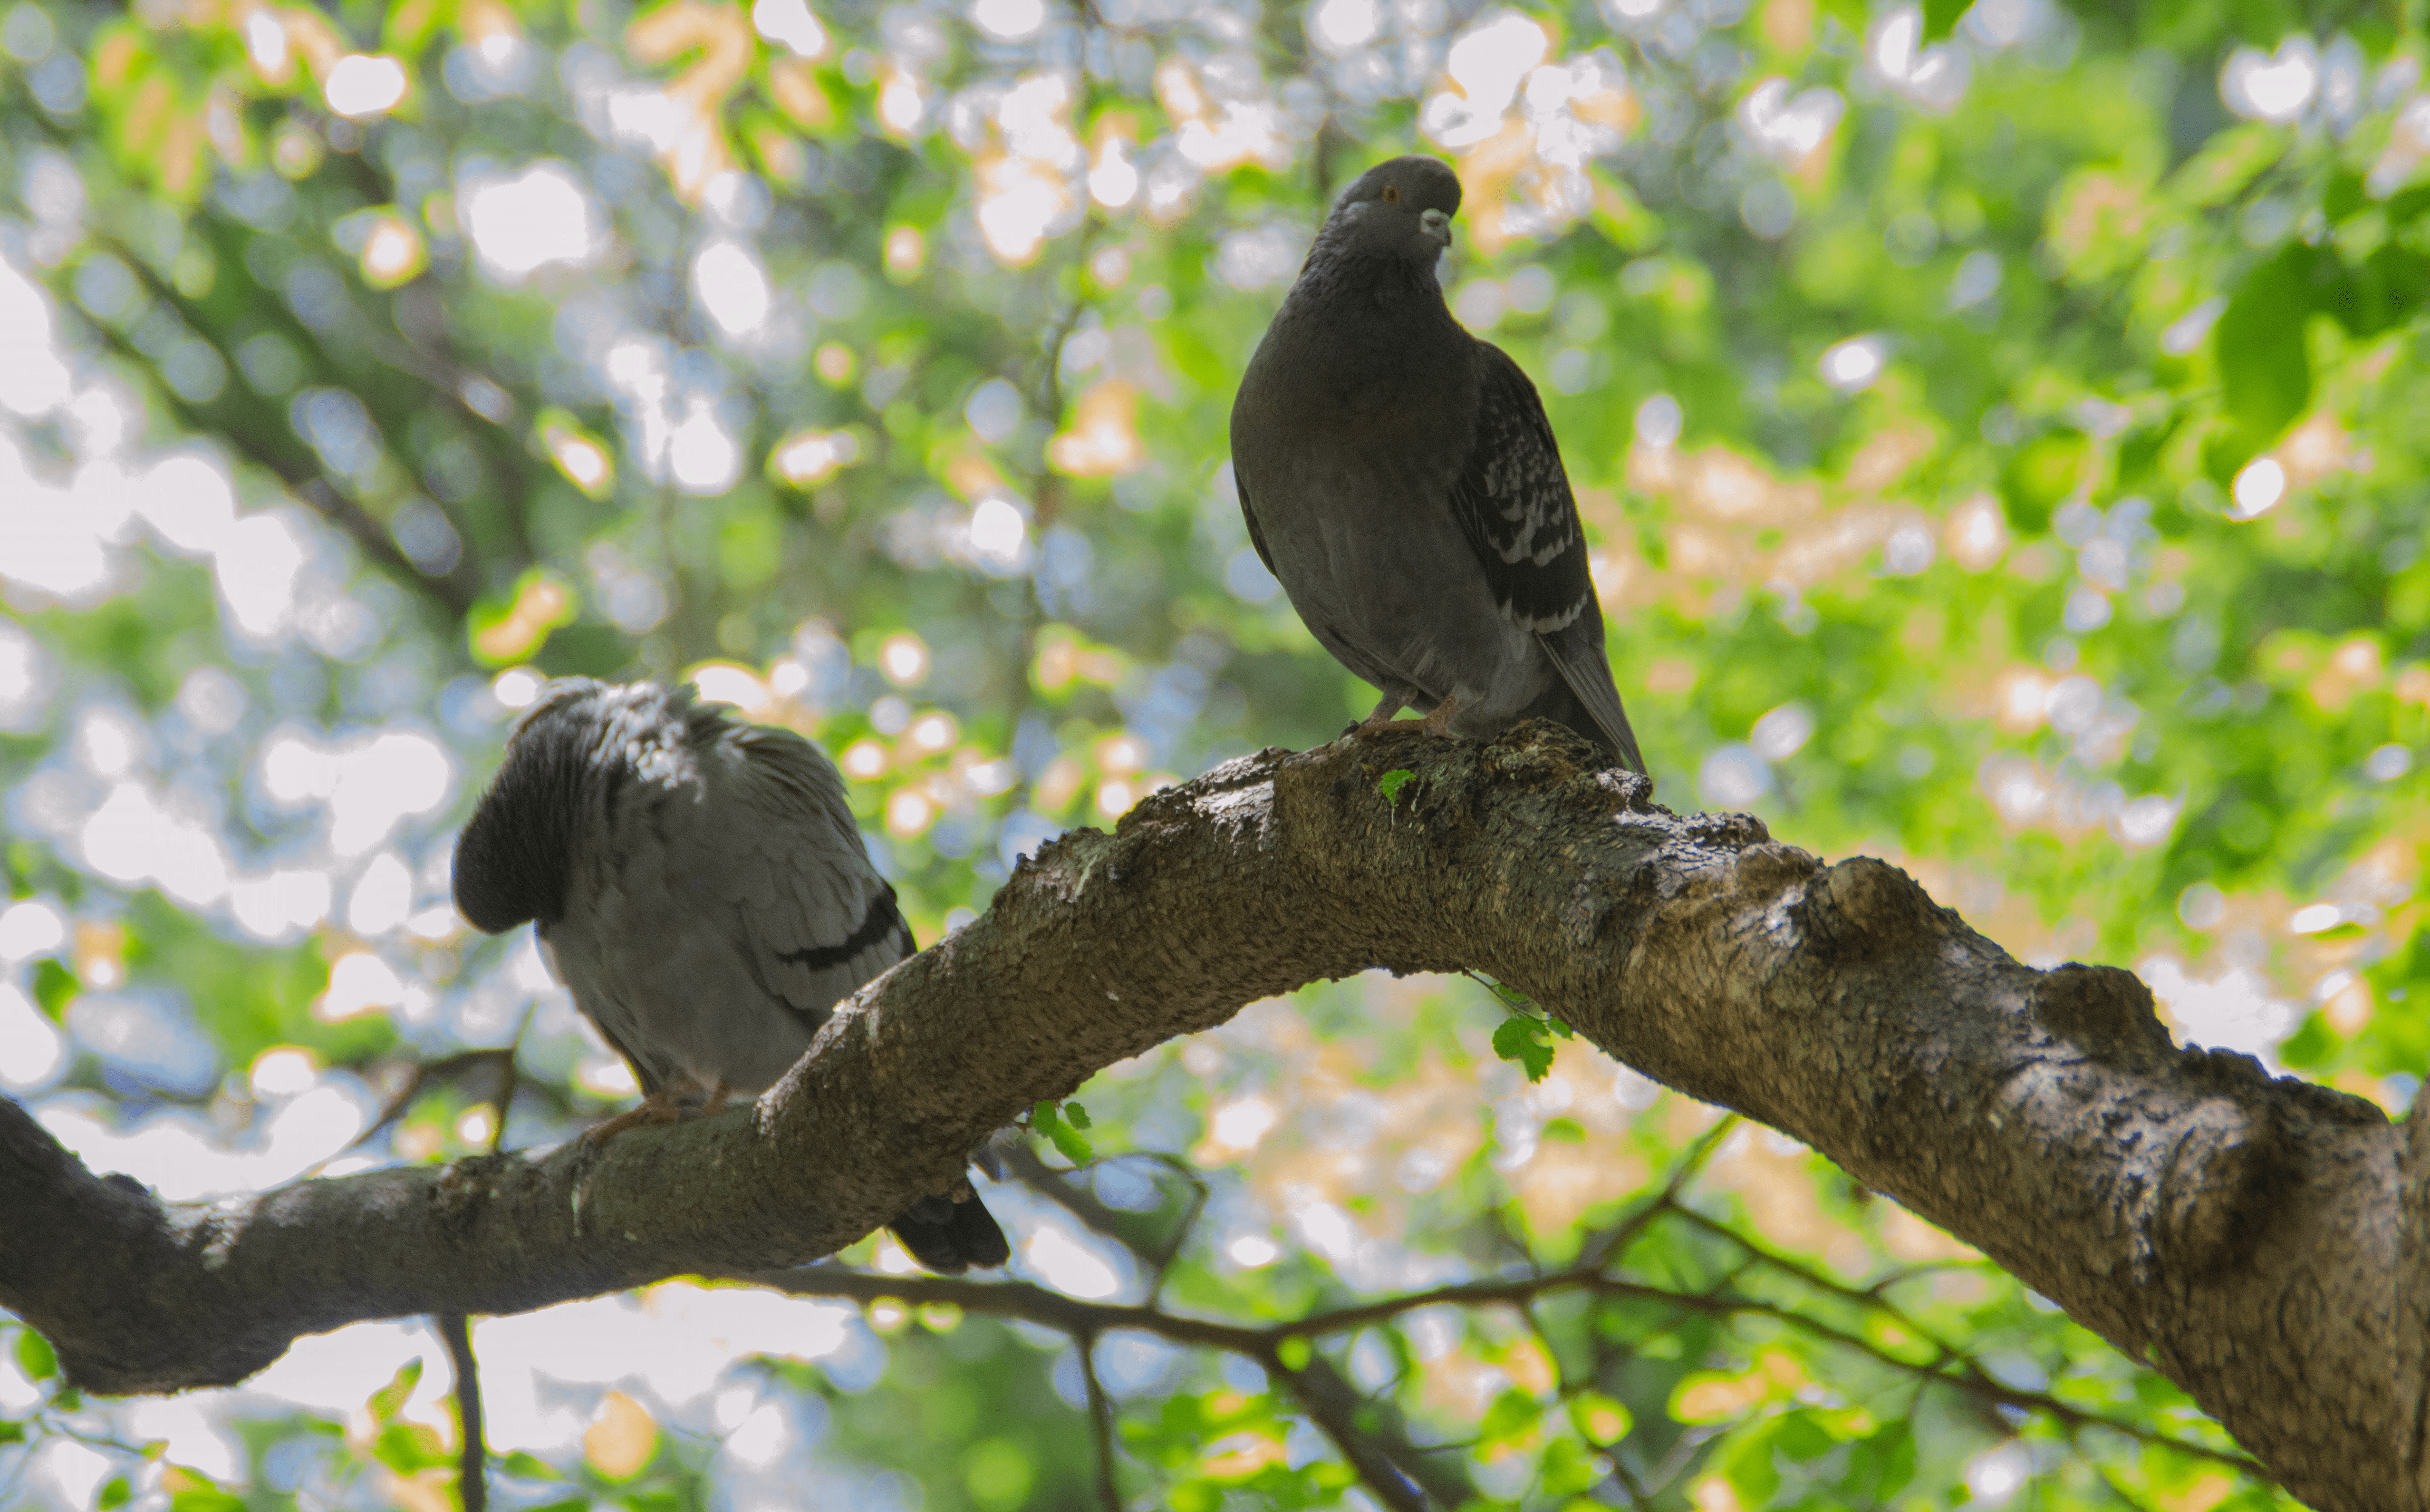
(1391, 194)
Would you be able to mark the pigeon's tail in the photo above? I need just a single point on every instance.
(1584, 700)
(950, 1236)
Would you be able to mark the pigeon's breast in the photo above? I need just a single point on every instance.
(1374, 560)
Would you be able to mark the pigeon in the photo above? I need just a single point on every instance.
(699, 885)
(1400, 480)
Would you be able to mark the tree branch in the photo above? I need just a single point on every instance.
(2240, 1233)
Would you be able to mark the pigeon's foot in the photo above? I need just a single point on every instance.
(1438, 723)
(1380, 716)
(669, 1105)
(659, 1107)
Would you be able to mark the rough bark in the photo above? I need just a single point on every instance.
(2259, 1241)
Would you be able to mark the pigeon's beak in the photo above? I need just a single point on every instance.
(1437, 225)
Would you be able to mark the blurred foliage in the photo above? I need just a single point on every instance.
(1993, 423)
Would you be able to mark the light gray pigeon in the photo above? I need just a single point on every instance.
(1400, 480)
(699, 885)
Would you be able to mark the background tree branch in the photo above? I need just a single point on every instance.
(2241, 1234)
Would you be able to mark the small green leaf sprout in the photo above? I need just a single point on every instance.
(1527, 1035)
(1061, 1123)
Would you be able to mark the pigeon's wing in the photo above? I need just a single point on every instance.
(1513, 501)
(822, 921)
(817, 920)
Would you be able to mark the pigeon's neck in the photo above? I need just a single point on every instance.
(1347, 286)
(1362, 315)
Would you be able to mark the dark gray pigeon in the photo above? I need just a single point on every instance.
(699, 885)
(1400, 480)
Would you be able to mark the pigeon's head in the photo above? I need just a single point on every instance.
(515, 859)
(1402, 208)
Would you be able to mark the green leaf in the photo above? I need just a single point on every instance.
(1390, 784)
(1619, 215)
(1750, 1472)
(2348, 929)
(387, 1399)
(2039, 476)
(11, 1433)
(1078, 1115)
(2265, 366)
(1074, 1146)
(1602, 1419)
(1522, 1038)
(2312, 1044)
(1048, 1120)
(2229, 161)
(412, 23)
(1878, 1466)
(55, 987)
(1941, 18)
(1295, 1352)
(35, 1355)
(406, 1447)
(1512, 1414)
(1802, 1437)
(503, 631)
(116, 1493)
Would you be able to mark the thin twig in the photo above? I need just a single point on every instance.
(1023, 1163)
(1101, 1422)
(1863, 1297)
(1598, 1252)
(454, 590)
(473, 1449)
(1200, 1194)
(1920, 1271)
(1024, 1299)
(1391, 1486)
(1628, 1480)
(2117, 1490)
(1036, 1303)
(505, 1100)
(509, 1080)
(430, 1073)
